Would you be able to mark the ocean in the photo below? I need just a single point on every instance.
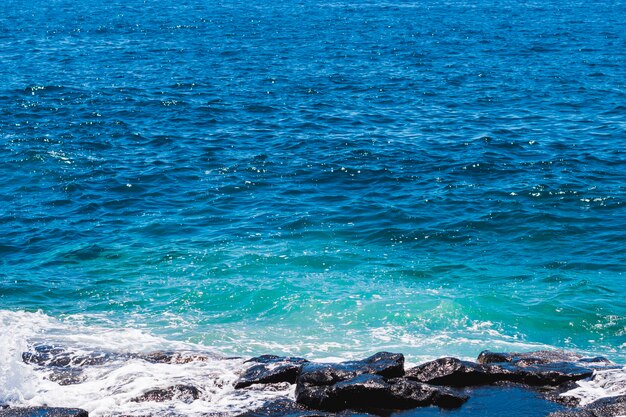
(316, 178)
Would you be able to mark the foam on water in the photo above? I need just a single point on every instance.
(109, 388)
(604, 383)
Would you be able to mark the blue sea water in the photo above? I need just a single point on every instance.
(320, 178)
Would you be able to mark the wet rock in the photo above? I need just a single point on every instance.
(554, 394)
(43, 412)
(388, 365)
(314, 396)
(538, 357)
(184, 393)
(362, 391)
(456, 373)
(409, 394)
(554, 373)
(529, 371)
(605, 407)
(276, 359)
(371, 391)
(270, 369)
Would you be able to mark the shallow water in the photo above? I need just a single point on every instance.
(325, 179)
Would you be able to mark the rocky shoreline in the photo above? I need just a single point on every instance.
(379, 385)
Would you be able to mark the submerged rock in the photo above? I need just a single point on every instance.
(184, 393)
(605, 407)
(43, 412)
(174, 357)
(270, 369)
(67, 376)
(56, 356)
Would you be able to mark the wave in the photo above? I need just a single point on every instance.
(107, 370)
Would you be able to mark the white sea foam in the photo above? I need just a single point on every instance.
(108, 388)
(603, 383)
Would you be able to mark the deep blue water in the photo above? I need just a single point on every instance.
(319, 178)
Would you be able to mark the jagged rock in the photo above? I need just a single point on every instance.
(373, 383)
(43, 412)
(184, 393)
(275, 359)
(455, 372)
(554, 373)
(410, 394)
(371, 391)
(554, 394)
(314, 396)
(271, 369)
(605, 407)
(388, 365)
(362, 391)
(537, 358)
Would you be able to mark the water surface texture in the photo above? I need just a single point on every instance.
(316, 178)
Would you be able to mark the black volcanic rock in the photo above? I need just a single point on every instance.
(374, 383)
(388, 365)
(270, 369)
(371, 391)
(184, 393)
(535, 371)
(543, 367)
(605, 407)
(409, 394)
(455, 372)
(553, 374)
(538, 357)
(362, 391)
(314, 396)
(43, 412)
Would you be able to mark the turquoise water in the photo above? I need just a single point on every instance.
(325, 179)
